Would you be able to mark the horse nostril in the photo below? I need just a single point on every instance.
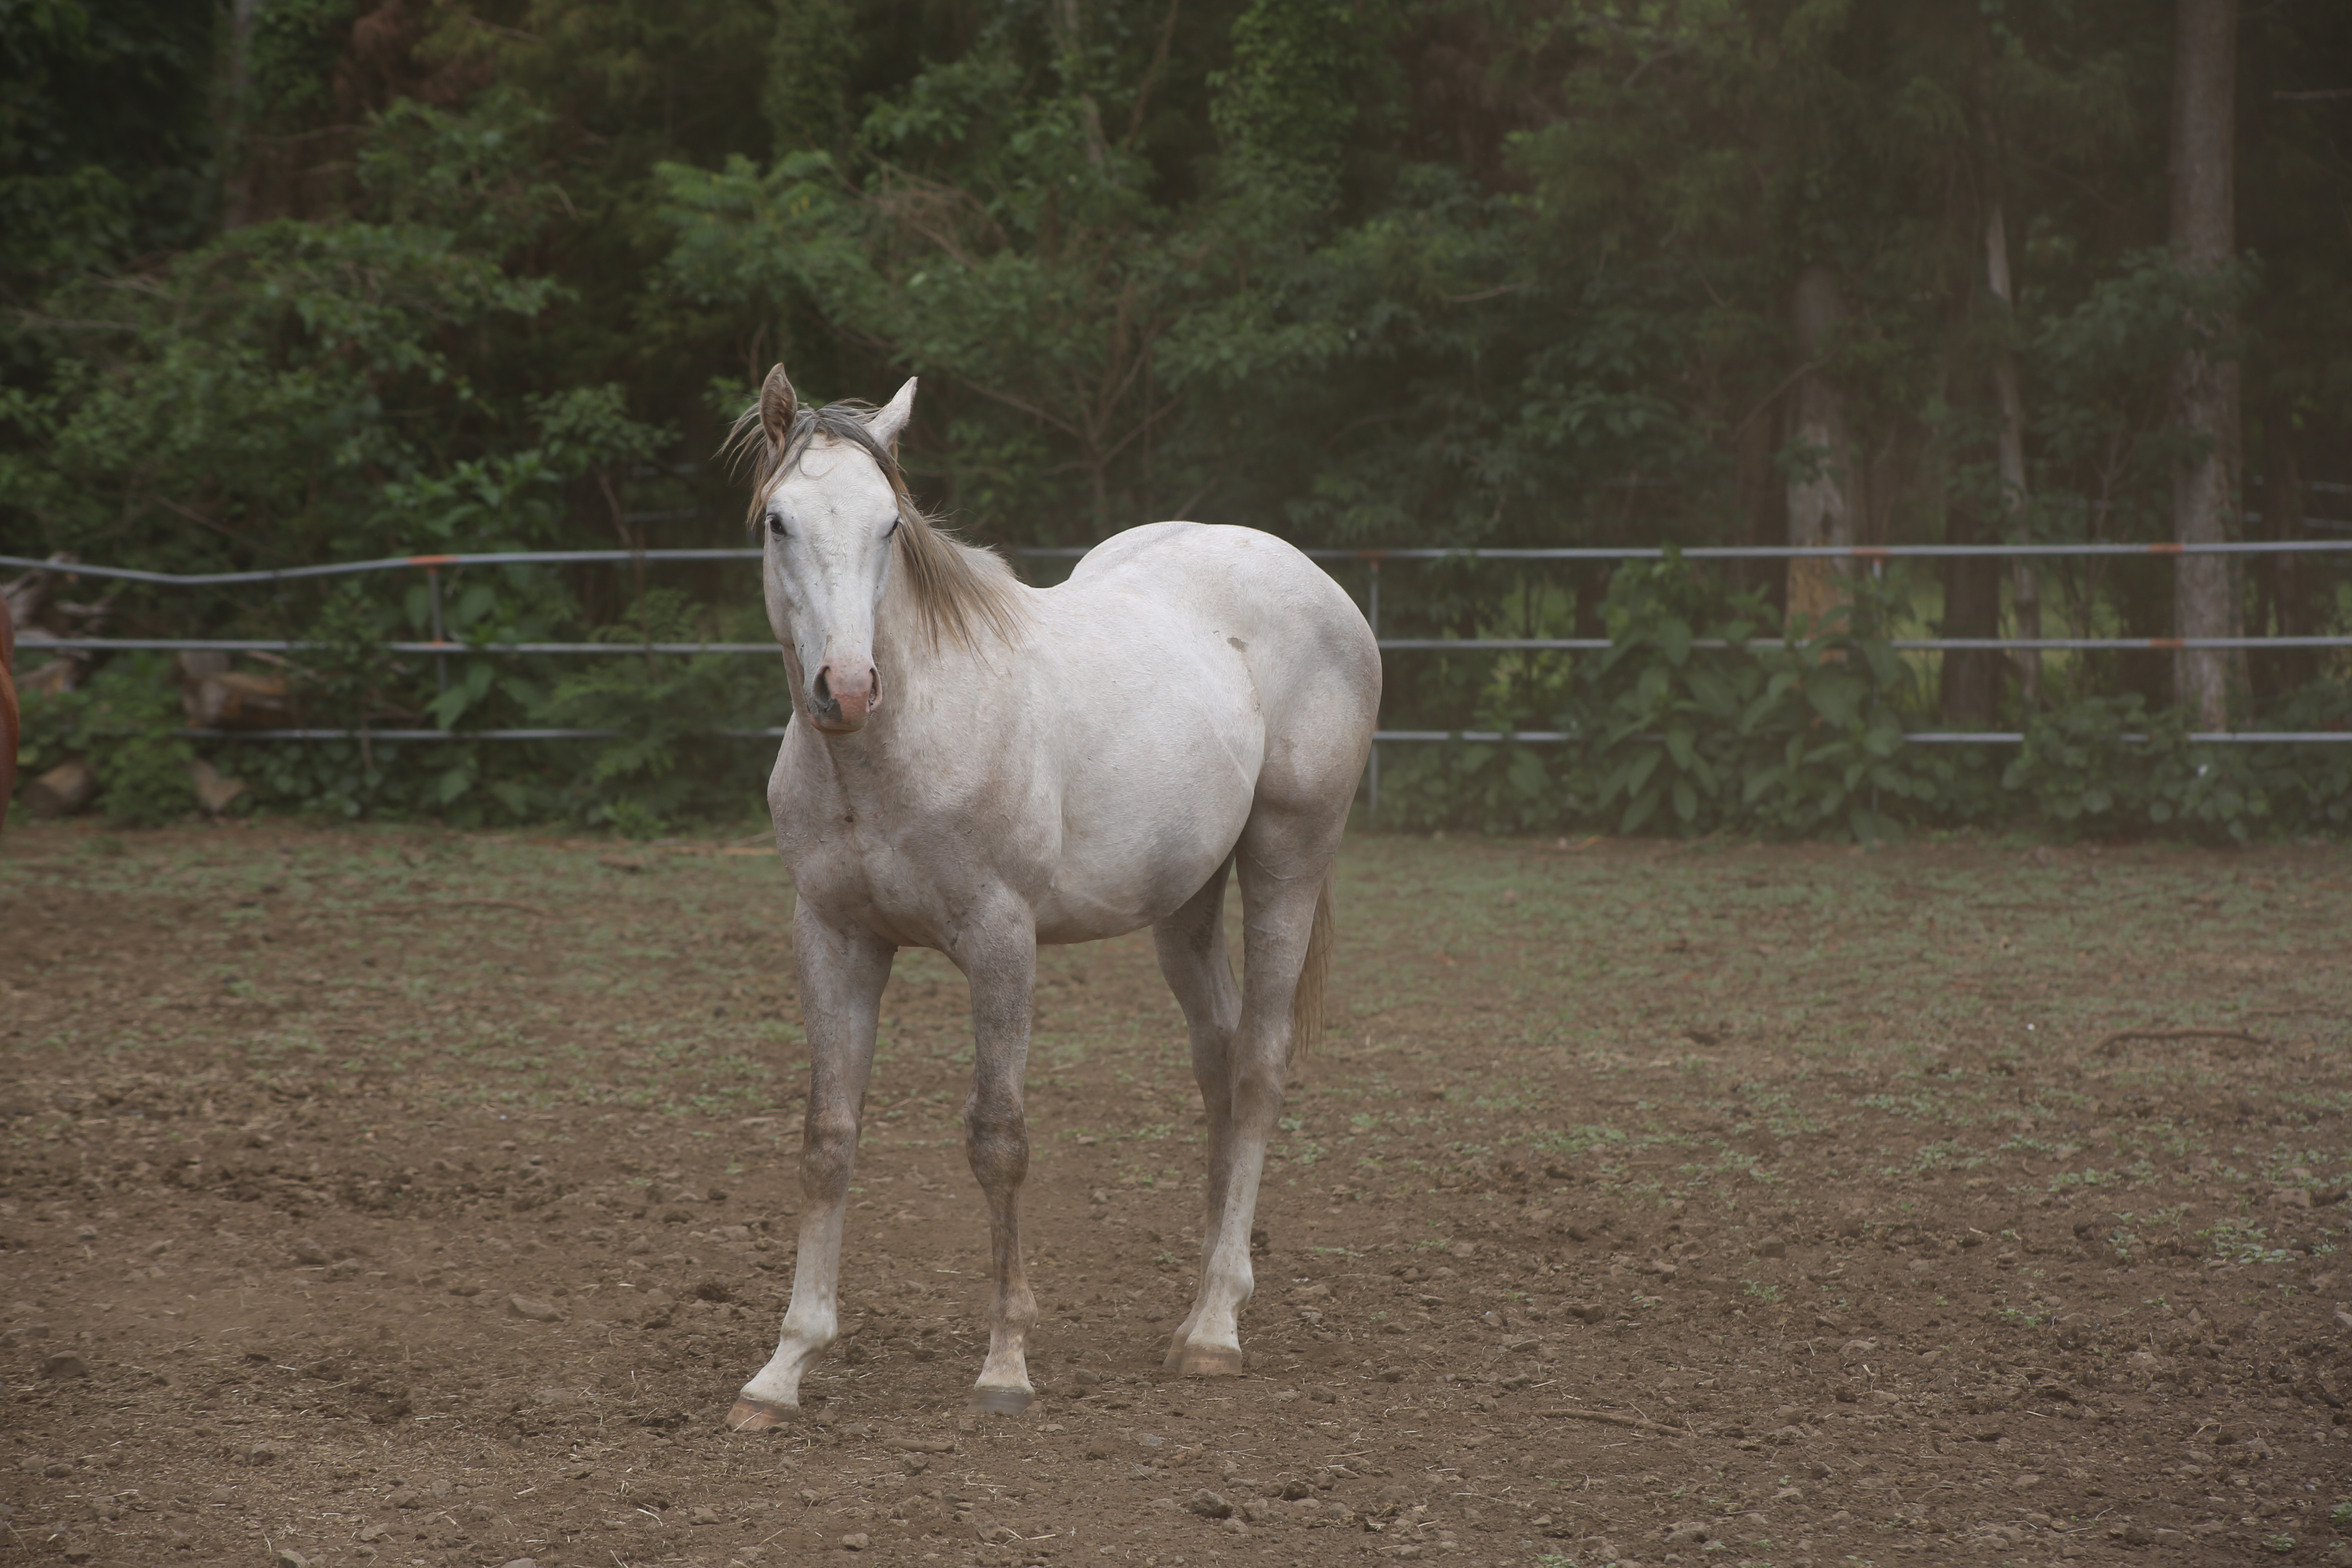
(824, 692)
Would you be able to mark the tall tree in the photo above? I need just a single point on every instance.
(1827, 496)
(2025, 574)
(2205, 374)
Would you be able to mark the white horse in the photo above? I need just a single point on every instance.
(977, 767)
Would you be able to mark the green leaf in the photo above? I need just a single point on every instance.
(1643, 768)
(1675, 638)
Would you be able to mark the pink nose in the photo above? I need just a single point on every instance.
(846, 693)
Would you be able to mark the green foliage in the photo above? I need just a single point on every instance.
(1706, 715)
(261, 388)
(807, 98)
(2103, 766)
(2108, 765)
(2307, 788)
(103, 135)
(1286, 104)
(1797, 738)
(292, 53)
(2107, 454)
(989, 234)
(1368, 274)
(479, 174)
(121, 723)
(670, 760)
(1682, 727)
(673, 761)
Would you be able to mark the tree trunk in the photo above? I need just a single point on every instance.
(2204, 383)
(1970, 690)
(236, 110)
(1826, 501)
(2025, 574)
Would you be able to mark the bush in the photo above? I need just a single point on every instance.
(1797, 740)
(1679, 727)
(672, 761)
(122, 723)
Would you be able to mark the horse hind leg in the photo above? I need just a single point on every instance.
(1283, 939)
(1191, 946)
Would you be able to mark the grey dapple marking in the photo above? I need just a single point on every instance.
(977, 767)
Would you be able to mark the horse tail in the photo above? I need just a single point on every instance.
(1307, 1002)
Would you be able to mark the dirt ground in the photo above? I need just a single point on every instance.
(422, 1198)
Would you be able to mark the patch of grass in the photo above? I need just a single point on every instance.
(2243, 1241)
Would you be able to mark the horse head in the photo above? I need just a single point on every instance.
(828, 509)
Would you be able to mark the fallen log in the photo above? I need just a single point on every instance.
(214, 790)
(233, 700)
(63, 790)
(2120, 1035)
(1606, 1418)
(415, 908)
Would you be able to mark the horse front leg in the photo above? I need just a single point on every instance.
(842, 973)
(1003, 968)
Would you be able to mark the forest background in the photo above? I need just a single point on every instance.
(290, 281)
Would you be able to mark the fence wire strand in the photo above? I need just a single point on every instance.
(442, 648)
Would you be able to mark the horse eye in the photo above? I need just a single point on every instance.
(776, 526)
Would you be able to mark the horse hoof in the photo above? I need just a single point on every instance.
(751, 1414)
(1001, 1401)
(1205, 1361)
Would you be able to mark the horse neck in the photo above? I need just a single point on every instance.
(913, 670)
(902, 649)
(929, 692)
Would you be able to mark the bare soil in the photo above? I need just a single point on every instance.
(422, 1198)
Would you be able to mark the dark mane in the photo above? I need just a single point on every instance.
(962, 589)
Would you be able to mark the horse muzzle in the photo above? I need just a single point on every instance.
(844, 695)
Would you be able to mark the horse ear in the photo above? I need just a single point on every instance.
(885, 423)
(778, 404)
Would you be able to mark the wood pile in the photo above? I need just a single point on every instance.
(63, 790)
(219, 698)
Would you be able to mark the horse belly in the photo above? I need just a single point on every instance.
(1108, 896)
(1147, 816)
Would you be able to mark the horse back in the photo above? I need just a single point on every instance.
(1312, 665)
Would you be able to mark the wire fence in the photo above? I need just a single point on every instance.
(1872, 557)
